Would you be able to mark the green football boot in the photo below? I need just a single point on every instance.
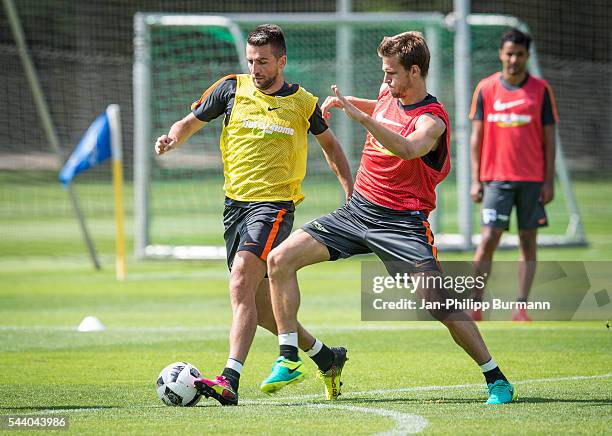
(501, 392)
(284, 372)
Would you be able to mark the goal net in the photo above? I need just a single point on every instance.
(179, 196)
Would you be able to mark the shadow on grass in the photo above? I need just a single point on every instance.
(591, 401)
(526, 400)
(412, 400)
(366, 401)
(343, 401)
(425, 401)
(69, 408)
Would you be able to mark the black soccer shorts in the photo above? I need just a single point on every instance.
(499, 198)
(361, 227)
(257, 227)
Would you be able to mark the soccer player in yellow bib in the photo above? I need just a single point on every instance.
(264, 148)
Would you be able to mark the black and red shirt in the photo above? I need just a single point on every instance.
(390, 181)
(513, 119)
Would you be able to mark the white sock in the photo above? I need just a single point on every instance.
(234, 364)
(486, 367)
(316, 347)
(290, 338)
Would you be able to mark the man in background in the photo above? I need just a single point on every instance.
(513, 159)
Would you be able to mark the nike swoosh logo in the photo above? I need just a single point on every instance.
(273, 108)
(250, 243)
(381, 119)
(291, 371)
(499, 106)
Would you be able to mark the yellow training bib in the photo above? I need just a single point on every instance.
(264, 144)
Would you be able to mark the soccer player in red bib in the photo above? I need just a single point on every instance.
(406, 154)
(513, 158)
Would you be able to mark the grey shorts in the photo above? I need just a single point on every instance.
(257, 227)
(361, 227)
(499, 198)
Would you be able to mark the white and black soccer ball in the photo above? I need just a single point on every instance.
(175, 385)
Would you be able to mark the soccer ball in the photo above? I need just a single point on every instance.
(175, 385)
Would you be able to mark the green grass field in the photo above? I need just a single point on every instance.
(401, 377)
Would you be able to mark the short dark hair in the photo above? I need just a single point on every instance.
(269, 34)
(517, 37)
(409, 47)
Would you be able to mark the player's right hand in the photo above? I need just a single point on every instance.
(329, 103)
(163, 144)
(349, 108)
(476, 191)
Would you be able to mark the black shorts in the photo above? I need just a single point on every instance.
(499, 198)
(257, 227)
(361, 227)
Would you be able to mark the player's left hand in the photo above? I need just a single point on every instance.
(349, 108)
(547, 192)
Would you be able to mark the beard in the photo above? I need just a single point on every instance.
(395, 93)
(515, 69)
(399, 92)
(265, 84)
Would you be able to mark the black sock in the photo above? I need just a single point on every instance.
(324, 358)
(289, 352)
(494, 375)
(233, 377)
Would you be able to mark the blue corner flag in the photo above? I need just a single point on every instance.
(94, 148)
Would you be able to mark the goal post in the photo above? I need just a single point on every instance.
(144, 25)
(179, 198)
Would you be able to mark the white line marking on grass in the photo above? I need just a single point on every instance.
(320, 328)
(168, 329)
(225, 329)
(224, 275)
(405, 423)
(349, 395)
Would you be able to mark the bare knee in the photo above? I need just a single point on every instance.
(296, 252)
(490, 239)
(247, 273)
(279, 262)
(436, 299)
(448, 322)
(455, 320)
(528, 244)
(240, 290)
